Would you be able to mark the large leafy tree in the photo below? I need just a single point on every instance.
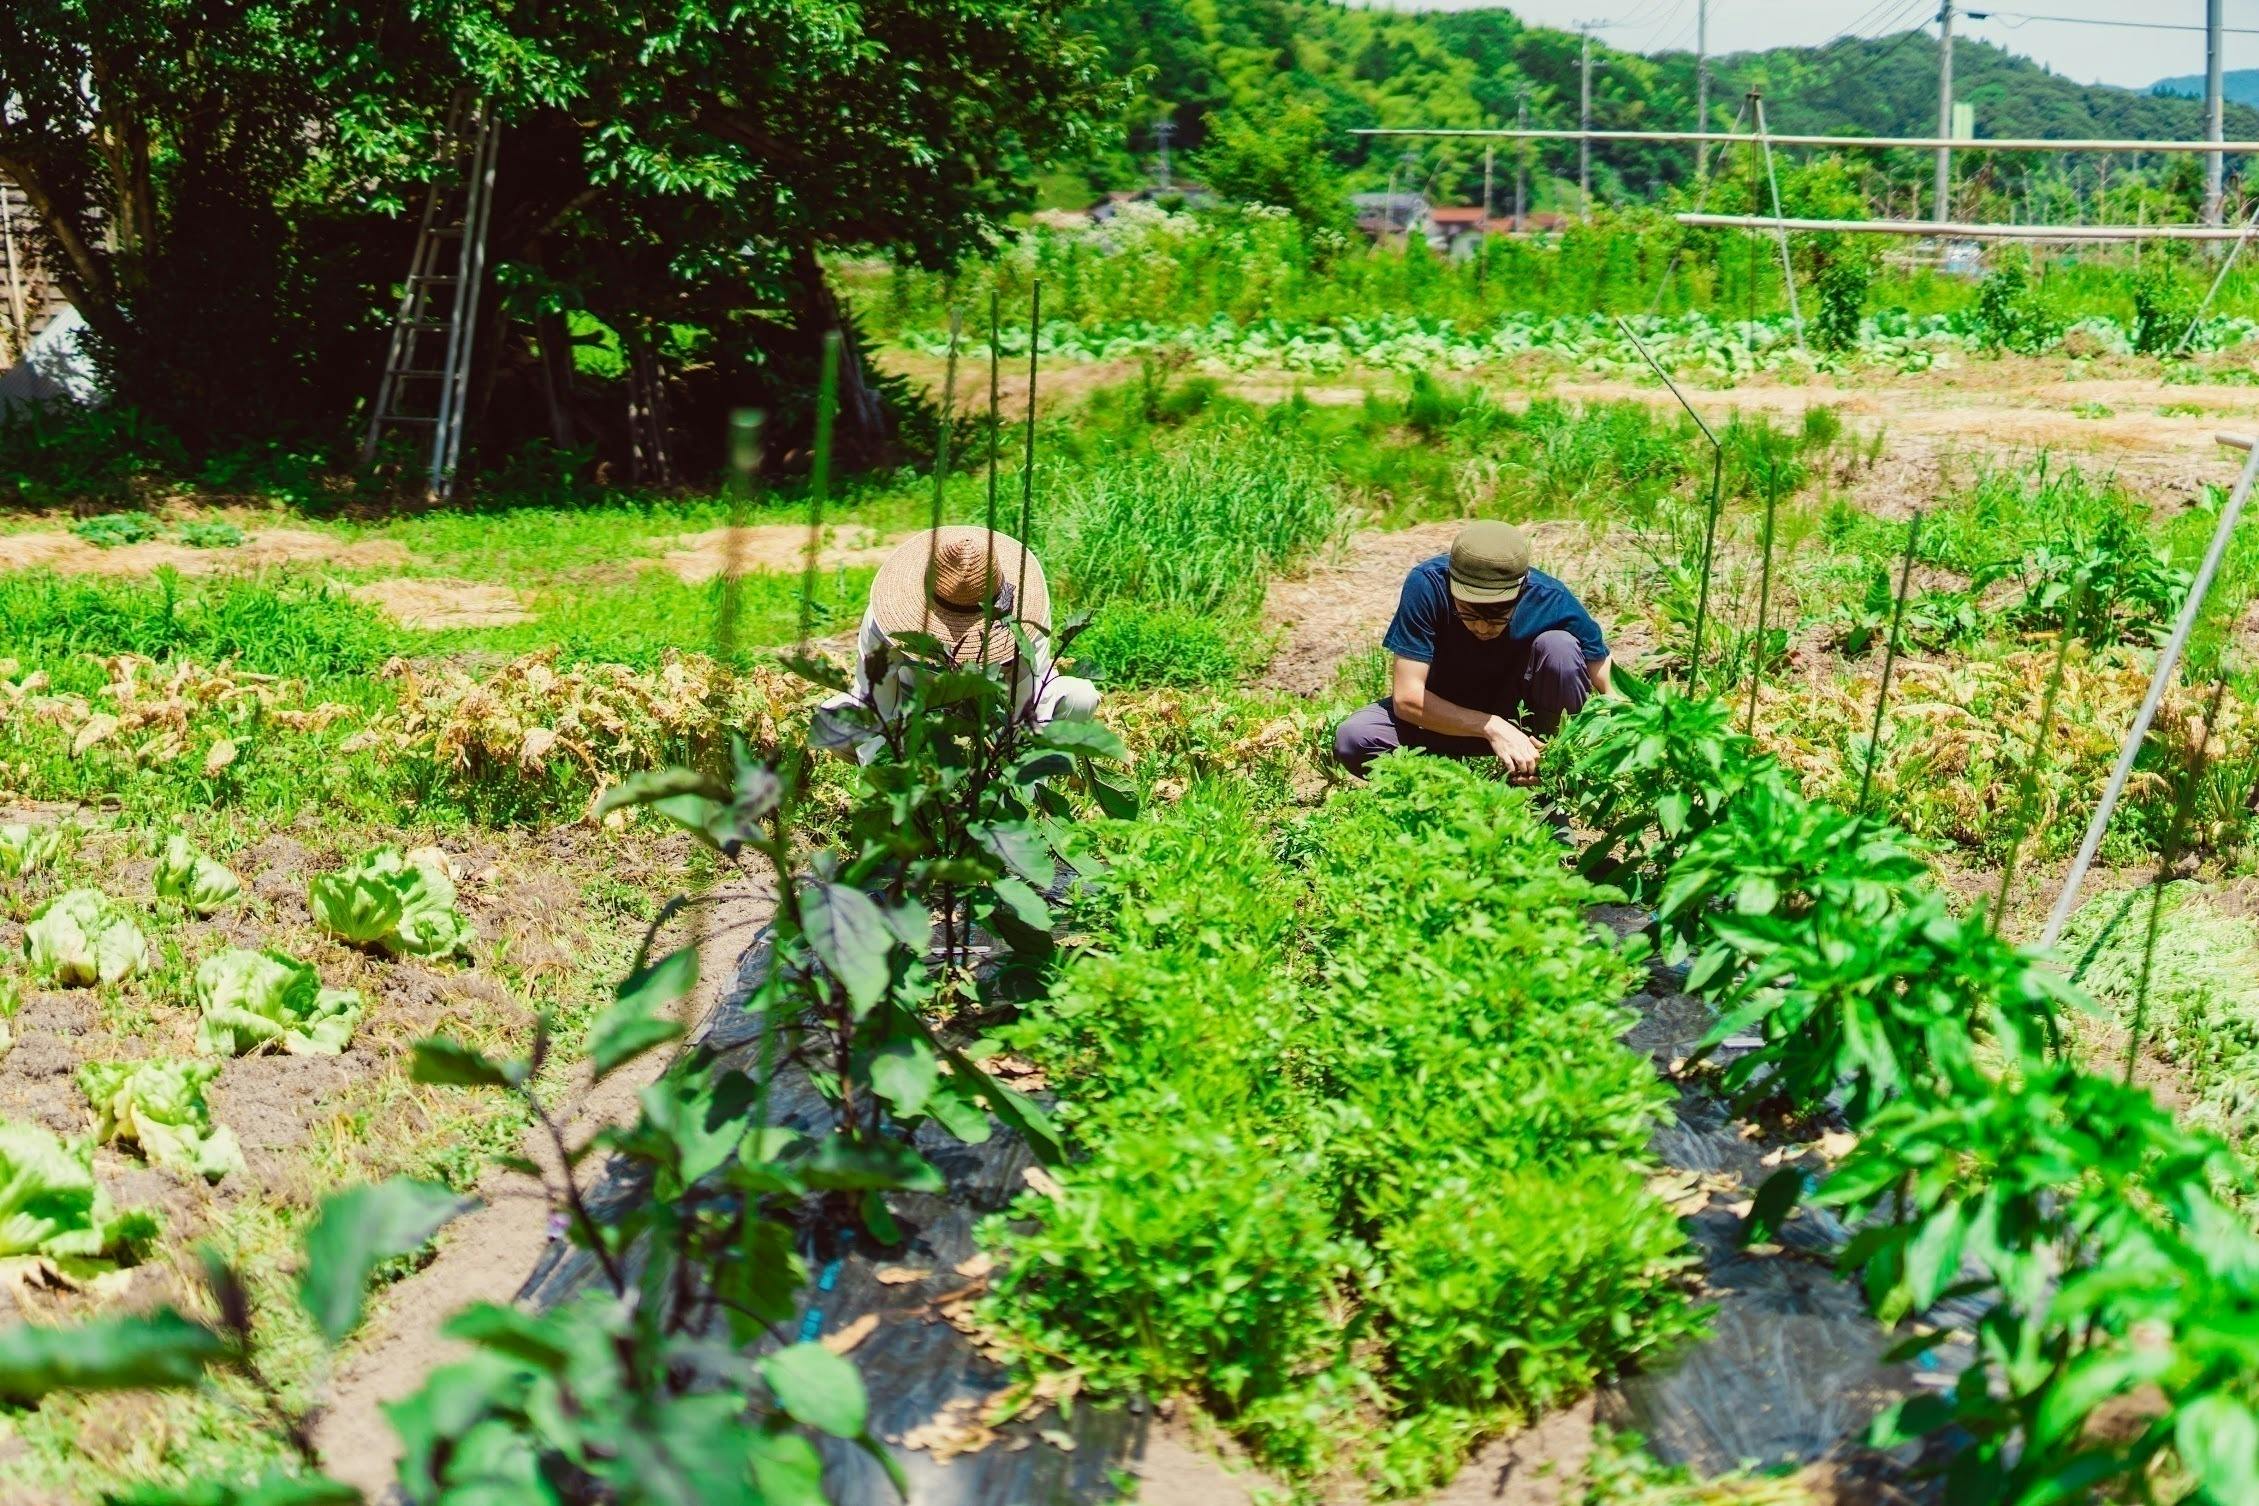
(675, 168)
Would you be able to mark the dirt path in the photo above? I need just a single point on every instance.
(486, 1255)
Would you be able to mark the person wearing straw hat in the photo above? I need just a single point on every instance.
(1490, 656)
(965, 586)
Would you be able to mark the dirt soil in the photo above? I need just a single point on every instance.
(68, 554)
(436, 604)
(770, 548)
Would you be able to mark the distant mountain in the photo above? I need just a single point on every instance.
(2240, 85)
(1362, 65)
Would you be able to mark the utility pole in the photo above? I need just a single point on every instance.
(1946, 109)
(1584, 124)
(1521, 164)
(1484, 228)
(1163, 130)
(2215, 113)
(1701, 85)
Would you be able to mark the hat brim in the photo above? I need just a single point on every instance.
(901, 602)
(1485, 596)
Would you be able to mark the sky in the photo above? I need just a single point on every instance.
(2134, 56)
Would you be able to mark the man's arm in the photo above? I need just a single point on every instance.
(1602, 679)
(1432, 712)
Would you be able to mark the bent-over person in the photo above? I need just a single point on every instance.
(965, 586)
(1490, 655)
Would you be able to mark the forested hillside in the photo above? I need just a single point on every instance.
(1267, 61)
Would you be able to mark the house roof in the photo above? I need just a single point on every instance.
(1456, 214)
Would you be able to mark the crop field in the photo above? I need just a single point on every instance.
(456, 1038)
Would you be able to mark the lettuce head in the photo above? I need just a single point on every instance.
(50, 1205)
(200, 883)
(403, 902)
(27, 849)
(158, 1104)
(252, 1000)
(83, 937)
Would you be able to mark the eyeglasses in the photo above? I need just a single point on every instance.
(1490, 614)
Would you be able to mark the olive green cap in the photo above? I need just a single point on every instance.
(1489, 562)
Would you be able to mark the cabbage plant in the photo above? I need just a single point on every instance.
(50, 1204)
(253, 999)
(158, 1104)
(11, 1001)
(401, 902)
(83, 937)
(27, 849)
(196, 881)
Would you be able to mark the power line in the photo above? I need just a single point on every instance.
(2016, 19)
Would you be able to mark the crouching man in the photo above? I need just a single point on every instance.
(1490, 656)
(965, 586)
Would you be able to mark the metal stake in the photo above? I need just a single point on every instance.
(2168, 660)
(1890, 660)
(941, 464)
(1717, 496)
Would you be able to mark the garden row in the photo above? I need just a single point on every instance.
(247, 1000)
(1362, 1159)
(2103, 1240)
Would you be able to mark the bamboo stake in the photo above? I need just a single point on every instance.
(1764, 597)
(2028, 785)
(1839, 143)
(1788, 272)
(819, 480)
(1027, 464)
(1890, 659)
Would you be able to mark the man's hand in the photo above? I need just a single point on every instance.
(1514, 749)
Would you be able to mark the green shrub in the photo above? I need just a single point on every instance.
(2164, 304)
(2010, 314)
(1129, 645)
(109, 530)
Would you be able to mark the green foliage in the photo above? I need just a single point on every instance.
(2203, 991)
(267, 626)
(251, 1000)
(401, 903)
(110, 529)
(1398, 1130)
(82, 937)
(2164, 306)
(1280, 158)
(192, 879)
(158, 1105)
(50, 1204)
(1131, 644)
(1651, 771)
(211, 534)
(2010, 313)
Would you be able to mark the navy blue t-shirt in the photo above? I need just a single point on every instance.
(1462, 668)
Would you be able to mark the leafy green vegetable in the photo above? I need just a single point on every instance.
(401, 902)
(83, 937)
(200, 883)
(254, 999)
(11, 1001)
(158, 1104)
(211, 535)
(27, 849)
(50, 1205)
(113, 528)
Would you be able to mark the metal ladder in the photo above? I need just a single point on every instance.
(416, 392)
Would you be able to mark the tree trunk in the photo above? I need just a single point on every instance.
(862, 433)
(556, 342)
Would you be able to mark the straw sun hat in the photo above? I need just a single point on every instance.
(942, 581)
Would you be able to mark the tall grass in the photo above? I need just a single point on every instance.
(1199, 527)
(279, 626)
